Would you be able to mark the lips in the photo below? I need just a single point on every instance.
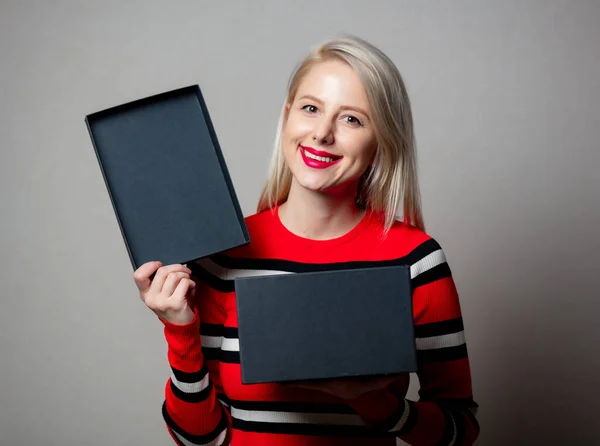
(318, 159)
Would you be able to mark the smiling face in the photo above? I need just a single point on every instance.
(328, 138)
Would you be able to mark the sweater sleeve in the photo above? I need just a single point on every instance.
(194, 410)
(445, 411)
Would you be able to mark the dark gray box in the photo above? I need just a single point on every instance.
(317, 325)
(167, 178)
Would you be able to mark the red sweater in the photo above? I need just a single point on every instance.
(206, 403)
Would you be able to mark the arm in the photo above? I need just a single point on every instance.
(192, 410)
(444, 413)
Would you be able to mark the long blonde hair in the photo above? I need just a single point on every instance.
(393, 176)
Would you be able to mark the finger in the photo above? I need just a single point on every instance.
(172, 282)
(182, 289)
(141, 276)
(162, 274)
(191, 291)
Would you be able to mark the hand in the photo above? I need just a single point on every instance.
(348, 388)
(167, 293)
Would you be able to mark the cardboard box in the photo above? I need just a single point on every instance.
(167, 179)
(318, 325)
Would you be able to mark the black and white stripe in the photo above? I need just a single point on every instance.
(427, 263)
(450, 432)
(224, 400)
(407, 419)
(301, 419)
(220, 343)
(456, 412)
(446, 346)
(441, 341)
(191, 387)
(211, 336)
(435, 342)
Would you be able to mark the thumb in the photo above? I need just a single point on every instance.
(143, 275)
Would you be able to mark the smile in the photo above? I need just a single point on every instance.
(318, 159)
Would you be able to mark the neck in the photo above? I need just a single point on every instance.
(318, 215)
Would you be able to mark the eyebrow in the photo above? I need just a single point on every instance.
(343, 107)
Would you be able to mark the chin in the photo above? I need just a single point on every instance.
(322, 185)
(311, 184)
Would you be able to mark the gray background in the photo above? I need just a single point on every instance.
(505, 98)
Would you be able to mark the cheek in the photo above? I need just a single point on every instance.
(289, 144)
(369, 149)
(371, 152)
(287, 138)
(297, 127)
(362, 151)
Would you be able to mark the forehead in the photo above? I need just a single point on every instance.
(334, 81)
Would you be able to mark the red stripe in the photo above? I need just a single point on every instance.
(194, 418)
(436, 301)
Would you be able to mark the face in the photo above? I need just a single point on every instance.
(328, 137)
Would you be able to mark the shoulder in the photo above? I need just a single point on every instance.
(418, 249)
(402, 232)
(403, 242)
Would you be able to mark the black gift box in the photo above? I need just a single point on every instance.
(167, 179)
(318, 325)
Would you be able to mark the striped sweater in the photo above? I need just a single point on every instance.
(206, 403)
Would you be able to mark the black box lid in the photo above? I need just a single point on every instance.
(167, 179)
(353, 322)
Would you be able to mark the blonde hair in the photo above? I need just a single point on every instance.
(393, 176)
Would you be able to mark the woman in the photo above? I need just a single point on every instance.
(344, 158)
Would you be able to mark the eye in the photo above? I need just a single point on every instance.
(353, 120)
(310, 108)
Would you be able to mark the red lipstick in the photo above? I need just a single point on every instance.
(323, 159)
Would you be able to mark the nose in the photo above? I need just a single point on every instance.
(323, 131)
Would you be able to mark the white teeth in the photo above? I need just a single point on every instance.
(318, 158)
